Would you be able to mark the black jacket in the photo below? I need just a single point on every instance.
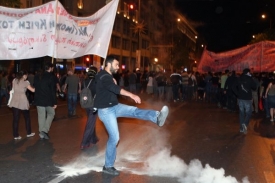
(45, 89)
(243, 87)
(106, 90)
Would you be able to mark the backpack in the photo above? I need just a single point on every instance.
(86, 98)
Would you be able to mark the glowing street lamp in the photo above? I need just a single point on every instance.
(270, 20)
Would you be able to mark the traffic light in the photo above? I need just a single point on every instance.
(131, 6)
(87, 60)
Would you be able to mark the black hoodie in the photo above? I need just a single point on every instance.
(243, 87)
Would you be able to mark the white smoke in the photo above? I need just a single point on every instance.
(144, 150)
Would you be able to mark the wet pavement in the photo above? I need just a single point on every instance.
(195, 134)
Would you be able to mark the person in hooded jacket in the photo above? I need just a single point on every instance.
(89, 135)
(243, 89)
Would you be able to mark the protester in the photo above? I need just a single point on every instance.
(270, 95)
(4, 87)
(150, 87)
(175, 79)
(231, 97)
(243, 89)
(133, 82)
(19, 102)
(109, 109)
(45, 99)
(74, 87)
(89, 135)
(222, 91)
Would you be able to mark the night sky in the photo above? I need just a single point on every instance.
(228, 24)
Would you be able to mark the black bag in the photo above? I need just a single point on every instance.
(86, 98)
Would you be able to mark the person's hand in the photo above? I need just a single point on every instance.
(55, 106)
(135, 98)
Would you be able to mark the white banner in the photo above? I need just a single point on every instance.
(48, 30)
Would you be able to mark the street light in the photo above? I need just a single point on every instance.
(80, 4)
(270, 20)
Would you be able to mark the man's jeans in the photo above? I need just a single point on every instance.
(109, 118)
(72, 101)
(175, 89)
(184, 92)
(245, 107)
(45, 117)
(161, 91)
(133, 88)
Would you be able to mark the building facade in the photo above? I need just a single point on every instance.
(149, 34)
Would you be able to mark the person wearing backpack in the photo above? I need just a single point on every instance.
(89, 135)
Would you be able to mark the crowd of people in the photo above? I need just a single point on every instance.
(246, 93)
(104, 89)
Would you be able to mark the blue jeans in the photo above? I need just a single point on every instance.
(4, 93)
(72, 101)
(266, 107)
(184, 92)
(245, 107)
(133, 88)
(161, 91)
(109, 118)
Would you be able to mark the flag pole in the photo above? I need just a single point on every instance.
(56, 8)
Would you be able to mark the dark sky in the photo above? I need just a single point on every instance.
(228, 24)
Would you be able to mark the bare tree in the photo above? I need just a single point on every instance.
(10, 3)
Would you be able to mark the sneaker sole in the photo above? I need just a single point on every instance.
(164, 111)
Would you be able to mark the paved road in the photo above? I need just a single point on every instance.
(199, 143)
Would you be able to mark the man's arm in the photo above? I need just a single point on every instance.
(131, 95)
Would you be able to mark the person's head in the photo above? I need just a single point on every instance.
(70, 71)
(49, 67)
(22, 75)
(91, 72)
(111, 64)
(246, 71)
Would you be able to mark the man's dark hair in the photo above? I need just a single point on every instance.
(110, 59)
(48, 65)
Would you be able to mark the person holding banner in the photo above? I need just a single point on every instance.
(45, 99)
(109, 109)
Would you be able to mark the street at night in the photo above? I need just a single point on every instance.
(198, 143)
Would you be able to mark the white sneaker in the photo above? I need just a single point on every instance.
(162, 116)
(31, 135)
(17, 138)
